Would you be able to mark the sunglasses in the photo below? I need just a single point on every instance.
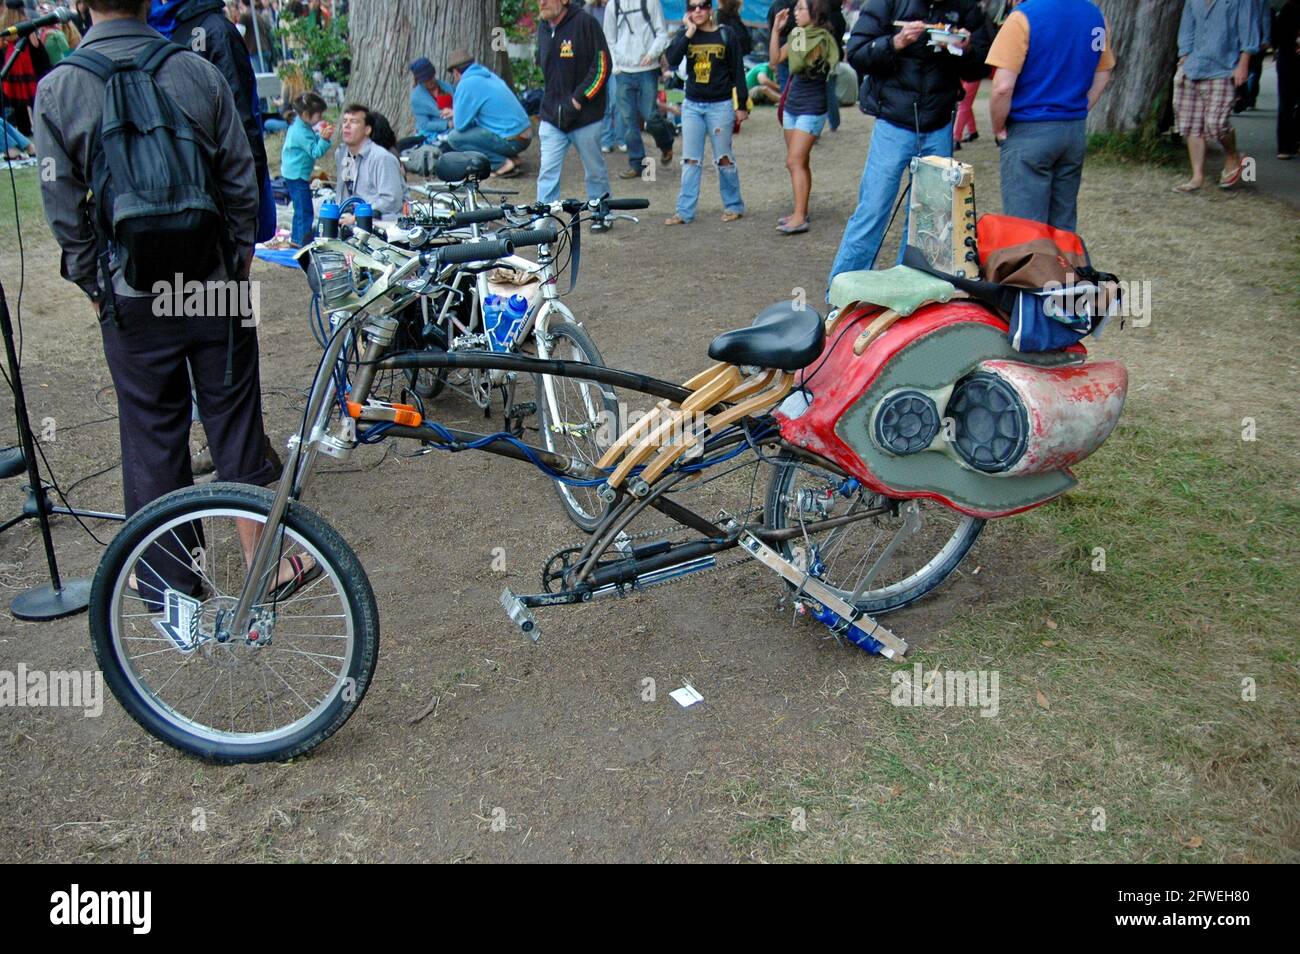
(698, 6)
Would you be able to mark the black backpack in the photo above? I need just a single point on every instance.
(153, 190)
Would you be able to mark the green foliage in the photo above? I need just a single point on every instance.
(318, 48)
(519, 17)
(527, 74)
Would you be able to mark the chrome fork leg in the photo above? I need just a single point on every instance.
(291, 482)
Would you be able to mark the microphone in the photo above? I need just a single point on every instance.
(28, 27)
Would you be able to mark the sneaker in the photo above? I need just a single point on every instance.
(622, 147)
(600, 225)
(607, 149)
(629, 174)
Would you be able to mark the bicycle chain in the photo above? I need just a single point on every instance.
(649, 535)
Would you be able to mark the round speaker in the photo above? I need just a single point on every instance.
(992, 424)
(906, 423)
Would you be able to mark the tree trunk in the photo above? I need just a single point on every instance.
(1144, 38)
(386, 35)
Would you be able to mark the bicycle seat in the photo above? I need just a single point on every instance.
(783, 336)
(460, 166)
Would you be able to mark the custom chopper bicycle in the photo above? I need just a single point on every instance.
(235, 623)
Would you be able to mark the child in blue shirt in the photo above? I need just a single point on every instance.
(303, 145)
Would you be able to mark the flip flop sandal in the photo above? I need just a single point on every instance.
(732, 216)
(675, 220)
(1230, 179)
(507, 174)
(1186, 189)
(301, 577)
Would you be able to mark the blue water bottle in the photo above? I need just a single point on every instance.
(512, 321)
(365, 216)
(493, 315)
(329, 219)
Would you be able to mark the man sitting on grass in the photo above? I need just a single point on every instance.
(486, 115)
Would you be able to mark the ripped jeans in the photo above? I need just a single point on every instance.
(715, 122)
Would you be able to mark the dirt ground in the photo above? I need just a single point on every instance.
(556, 736)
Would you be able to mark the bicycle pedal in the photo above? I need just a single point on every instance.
(520, 614)
(523, 409)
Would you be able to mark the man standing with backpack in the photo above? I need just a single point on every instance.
(637, 36)
(202, 26)
(147, 214)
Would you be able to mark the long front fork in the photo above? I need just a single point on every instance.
(298, 465)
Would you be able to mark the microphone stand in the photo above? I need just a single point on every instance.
(62, 597)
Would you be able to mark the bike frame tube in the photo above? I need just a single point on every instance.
(491, 361)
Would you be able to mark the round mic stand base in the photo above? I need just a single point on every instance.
(45, 603)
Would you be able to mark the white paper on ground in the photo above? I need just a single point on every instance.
(686, 696)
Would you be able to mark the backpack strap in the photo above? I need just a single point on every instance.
(152, 57)
(92, 62)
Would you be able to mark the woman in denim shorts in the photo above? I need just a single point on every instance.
(812, 54)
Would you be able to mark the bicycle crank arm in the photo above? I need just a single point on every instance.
(891, 646)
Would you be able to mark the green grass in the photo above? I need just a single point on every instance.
(1138, 146)
(26, 182)
(1142, 677)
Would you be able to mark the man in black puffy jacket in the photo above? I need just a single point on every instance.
(912, 87)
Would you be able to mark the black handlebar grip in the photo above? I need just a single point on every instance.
(619, 205)
(475, 252)
(478, 216)
(542, 235)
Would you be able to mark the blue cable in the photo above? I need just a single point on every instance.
(375, 433)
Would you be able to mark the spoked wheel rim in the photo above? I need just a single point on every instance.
(899, 565)
(583, 425)
(269, 685)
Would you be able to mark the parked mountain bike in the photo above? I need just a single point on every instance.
(236, 624)
(451, 314)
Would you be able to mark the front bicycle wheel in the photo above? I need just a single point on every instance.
(578, 418)
(172, 577)
(879, 563)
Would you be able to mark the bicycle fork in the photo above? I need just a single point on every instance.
(301, 458)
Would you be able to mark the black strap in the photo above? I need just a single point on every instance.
(92, 62)
(155, 54)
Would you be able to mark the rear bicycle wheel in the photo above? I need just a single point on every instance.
(162, 590)
(894, 559)
(578, 419)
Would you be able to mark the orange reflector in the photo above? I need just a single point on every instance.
(378, 411)
(405, 414)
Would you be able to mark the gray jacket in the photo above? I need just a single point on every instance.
(67, 114)
(373, 174)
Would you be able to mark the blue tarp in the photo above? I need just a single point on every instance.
(755, 10)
